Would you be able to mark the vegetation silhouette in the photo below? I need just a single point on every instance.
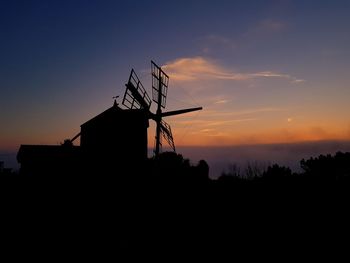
(169, 204)
(328, 168)
(322, 169)
(172, 169)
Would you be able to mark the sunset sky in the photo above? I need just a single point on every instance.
(263, 71)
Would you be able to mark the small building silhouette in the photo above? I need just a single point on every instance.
(48, 160)
(109, 142)
(4, 170)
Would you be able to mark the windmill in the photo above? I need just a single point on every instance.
(136, 97)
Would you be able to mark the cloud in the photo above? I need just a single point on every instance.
(263, 29)
(271, 25)
(237, 115)
(206, 130)
(220, 123)
(221, 102)
(197, 68)
(200, 68)
(210, 123)
(218, 39)
(298, 80)
(269, 74)
(252, 111)
(214, 42)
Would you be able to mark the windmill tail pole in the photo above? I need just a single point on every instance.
(177, 112)
(76, 136)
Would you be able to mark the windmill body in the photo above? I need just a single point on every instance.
(116, 136)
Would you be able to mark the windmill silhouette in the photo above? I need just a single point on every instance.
(136, 97)
(112, 138)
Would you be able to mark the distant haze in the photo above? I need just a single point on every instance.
(219, 158)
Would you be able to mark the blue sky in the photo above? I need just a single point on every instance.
(264, 71)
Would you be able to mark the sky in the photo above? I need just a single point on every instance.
(265, 72)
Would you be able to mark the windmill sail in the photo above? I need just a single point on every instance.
(167, 134)
(135, 96)
(160, 81)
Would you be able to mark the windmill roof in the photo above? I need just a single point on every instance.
(116, 112)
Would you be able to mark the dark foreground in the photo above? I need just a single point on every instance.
(100, 220)
(172, 216)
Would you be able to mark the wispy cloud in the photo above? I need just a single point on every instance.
(269, 74)
(225, 122)
(219, 39)
(200, 68)
(264, 28)
(196, 68)
(295, 80)
(245, 112)
(221, 101)
(270, 25)
(213, 42)
(227, 114)
(213, 123)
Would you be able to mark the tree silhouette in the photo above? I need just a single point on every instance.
(276, 173)
(327, 167)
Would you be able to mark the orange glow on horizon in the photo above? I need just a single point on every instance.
(212, 137)
(199, 136)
